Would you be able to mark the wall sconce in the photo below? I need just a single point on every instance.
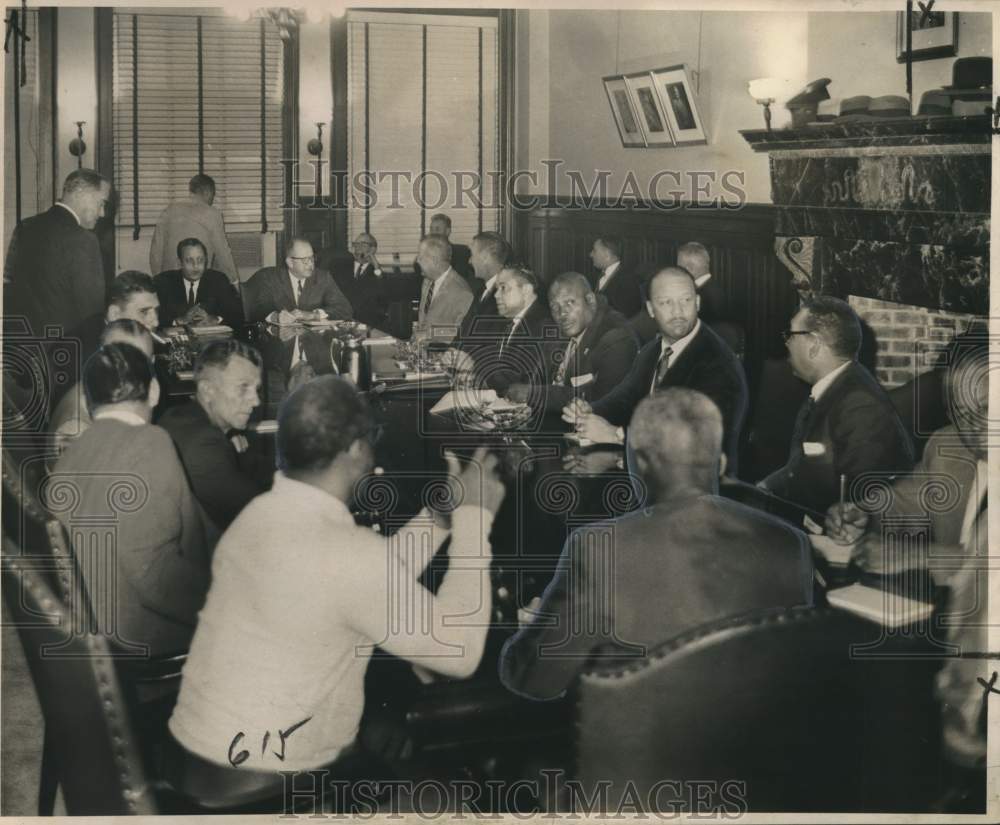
(77, 147)
(315, 148)
(766, 90)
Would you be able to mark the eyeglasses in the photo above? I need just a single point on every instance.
(787, 334)
(303, 258)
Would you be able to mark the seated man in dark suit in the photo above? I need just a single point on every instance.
(615, 281)
(124, 467)
(848, 425)
(362, 281)
(688, 559)
(687, 353)
(693, 257)
(519, 347)
(490, 254)
(297, 291)
(599, 348)
(195, 295)
(227, 378)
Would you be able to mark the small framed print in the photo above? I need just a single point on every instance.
(652, 119)
(934, 34)
(624, 113)
(673, 85)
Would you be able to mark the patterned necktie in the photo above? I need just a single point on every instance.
(298, 291)
(564, 365)
(661, 369)
(190, 294)
(428, 298)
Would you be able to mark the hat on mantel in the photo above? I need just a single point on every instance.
(934, 103)
(971, 79)
(889, 106)
(854, 108)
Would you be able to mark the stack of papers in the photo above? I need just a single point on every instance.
(879, 606)
(470, 399)
(212, 329)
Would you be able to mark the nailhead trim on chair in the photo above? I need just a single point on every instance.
(100, 663)
(745, 621)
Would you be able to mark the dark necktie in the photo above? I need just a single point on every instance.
(802, 425)
(190, 294)
(428, 299)
(298, 291)
(508, 335)
(661, 369)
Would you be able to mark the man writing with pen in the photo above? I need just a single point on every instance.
(195, 295)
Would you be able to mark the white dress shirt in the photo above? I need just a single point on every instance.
(608, 273)
(821, 386)
(75, 216)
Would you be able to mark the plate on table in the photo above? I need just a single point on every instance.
(497, 415)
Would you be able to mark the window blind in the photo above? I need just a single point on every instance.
(198, 94)
(423, 97)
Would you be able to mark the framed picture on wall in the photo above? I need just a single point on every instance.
(933, 34)
(652, 118)
(673, 85)
(624, 113)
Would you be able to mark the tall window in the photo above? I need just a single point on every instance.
(423, 103)
(197, 93)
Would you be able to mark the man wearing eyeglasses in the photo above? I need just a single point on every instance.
(848, 425)
(297, 292)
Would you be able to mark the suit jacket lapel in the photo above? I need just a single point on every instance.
(285, 286)
(681, 369)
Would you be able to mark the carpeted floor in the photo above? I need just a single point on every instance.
(21, 729)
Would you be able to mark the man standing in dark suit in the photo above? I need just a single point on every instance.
(687, 353)
(297, 291)
(688, 559)
(616, 282)
(848, 425)
(54, 275)
(490, 254)
(599, 348)
(227, 380)
(195, 295)
(362, 281)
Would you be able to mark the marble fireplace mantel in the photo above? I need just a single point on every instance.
(897, 209)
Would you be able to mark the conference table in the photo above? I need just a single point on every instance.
(552, 486)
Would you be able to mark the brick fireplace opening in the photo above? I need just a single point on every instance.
(909, 339)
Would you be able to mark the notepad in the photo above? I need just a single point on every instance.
(839, 555)
(879, 606)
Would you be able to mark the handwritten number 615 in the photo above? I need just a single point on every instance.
(242, 756)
